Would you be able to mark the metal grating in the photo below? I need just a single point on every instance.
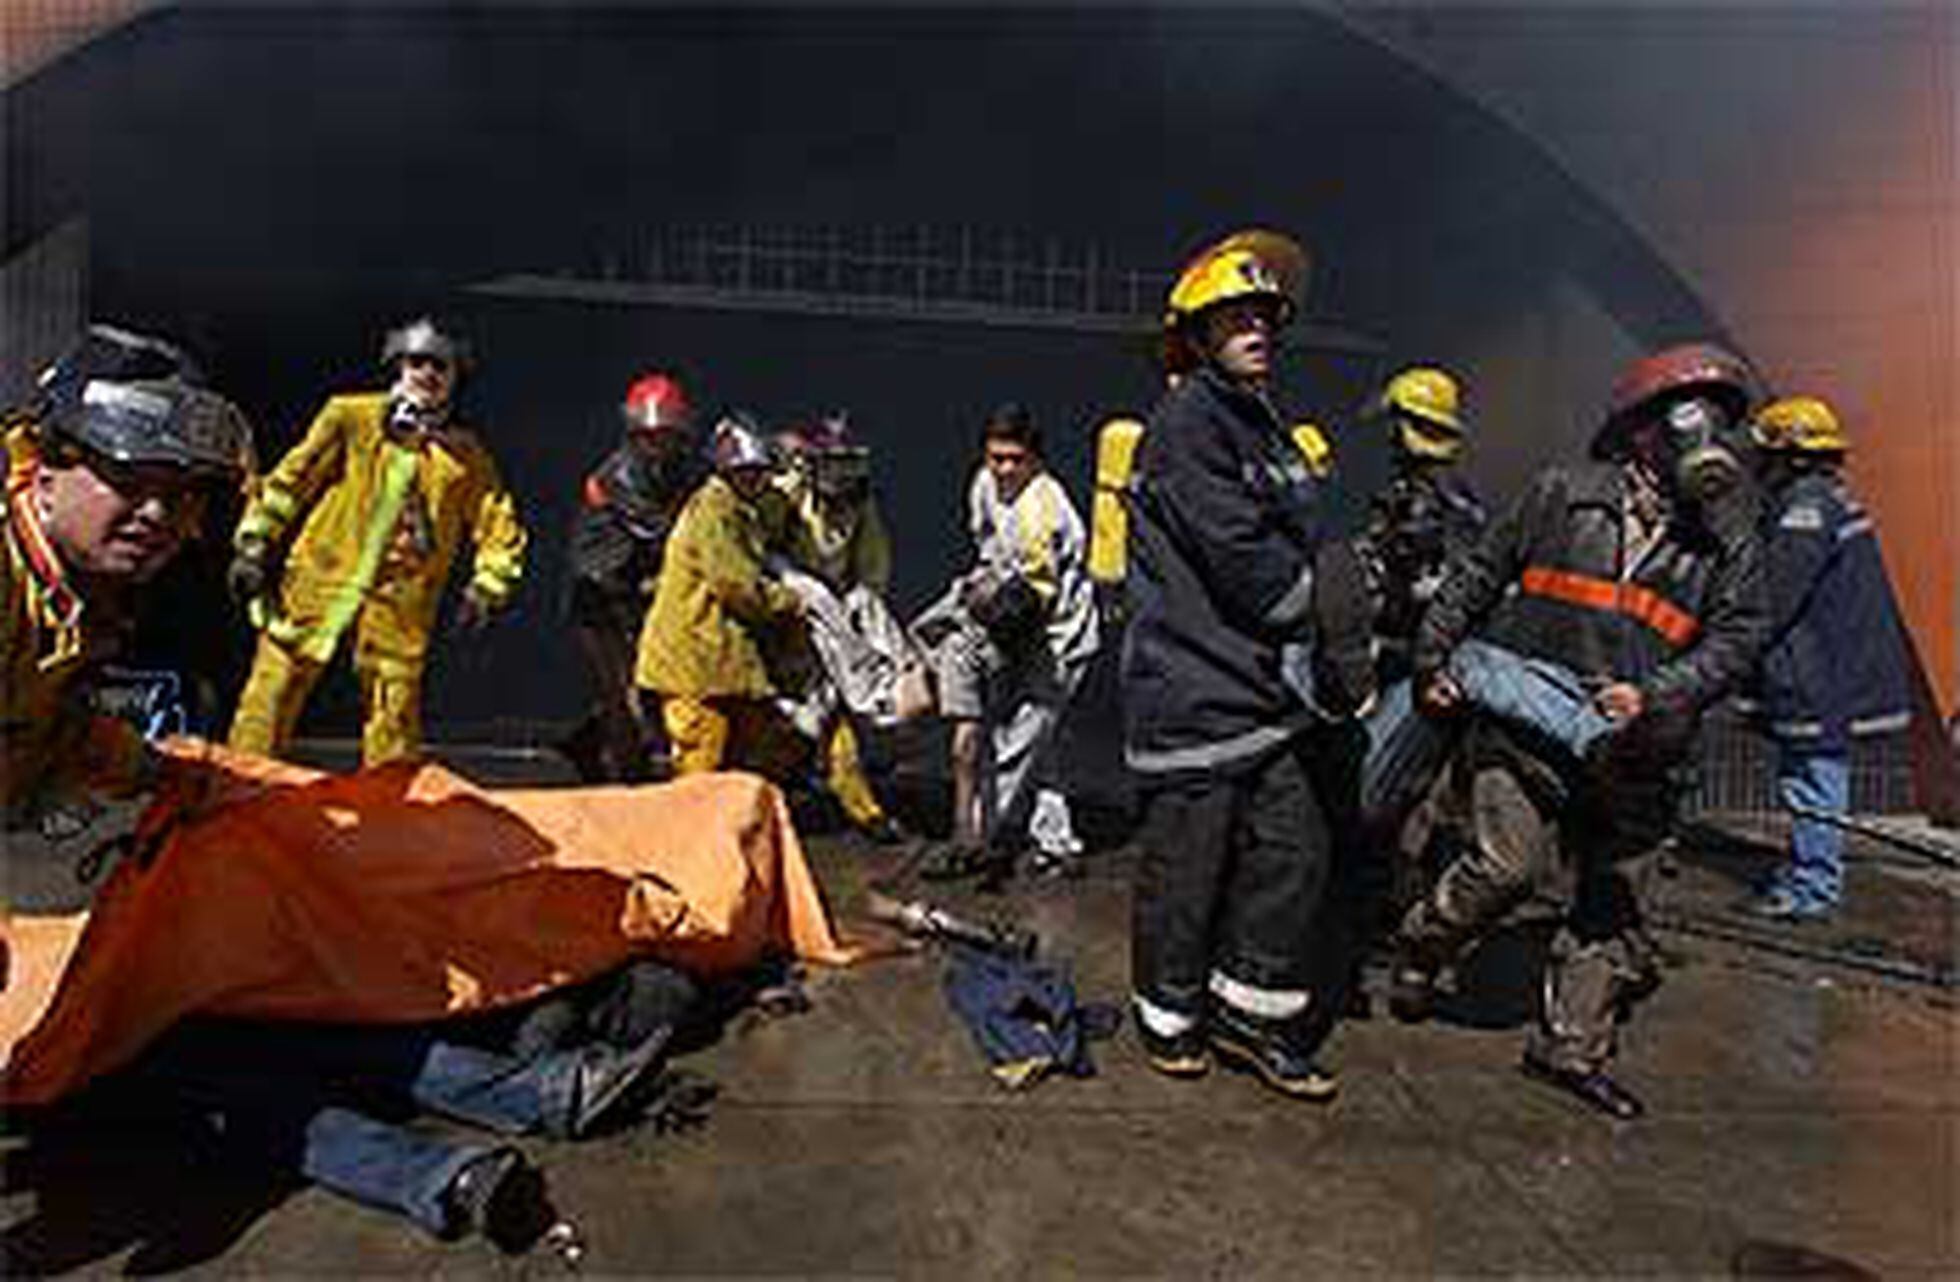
(1736, 771)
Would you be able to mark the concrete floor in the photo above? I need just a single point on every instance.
(1790, 1102)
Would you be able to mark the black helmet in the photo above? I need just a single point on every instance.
(117, 355)
(152, 421)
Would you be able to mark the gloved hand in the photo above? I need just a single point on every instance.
(473, 613)
(1343, 617)
(251, 575)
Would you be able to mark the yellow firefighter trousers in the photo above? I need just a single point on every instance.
(281, 681)
(749, 734)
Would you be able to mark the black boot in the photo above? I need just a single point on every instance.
(1412, 986)
(1269, 1049)
(501, 1196)
(1176, 1054)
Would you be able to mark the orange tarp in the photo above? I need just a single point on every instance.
(399, 894)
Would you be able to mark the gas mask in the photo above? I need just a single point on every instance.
(1698, 458)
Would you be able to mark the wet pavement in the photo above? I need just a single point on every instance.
(1797, 1102)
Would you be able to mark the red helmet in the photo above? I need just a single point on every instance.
(1699, 368)
(656, 403)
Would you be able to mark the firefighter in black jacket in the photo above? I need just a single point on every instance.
(1427, 513)
(1227, 567)
(1641, 572)
(1835, 667)
(626, 508)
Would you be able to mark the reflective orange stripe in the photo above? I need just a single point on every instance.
(1630, 599)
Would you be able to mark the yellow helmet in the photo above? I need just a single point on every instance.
(1800, 423)
(1426, 405)
(1246, 264)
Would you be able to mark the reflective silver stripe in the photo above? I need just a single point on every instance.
(1292, 608)
(1881, 725)
(1852, 529)
(1266, 1003)
(1798, 729)
(1206, 755)
(1164, 1023)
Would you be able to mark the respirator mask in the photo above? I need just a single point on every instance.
(1700, 460)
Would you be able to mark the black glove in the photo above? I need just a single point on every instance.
(1343, 616)
(250, 575)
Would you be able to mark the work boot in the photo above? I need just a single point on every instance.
(1176, 1055)
(1591, 1087)
(501, 1196)
(1412, 986)
(1266, 1048)
(1781, 904)
(603, 1077)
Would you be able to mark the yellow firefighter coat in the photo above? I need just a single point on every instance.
(51, 743)
(380, 514)
(715, 611)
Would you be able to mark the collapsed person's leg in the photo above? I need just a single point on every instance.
(280, 1095)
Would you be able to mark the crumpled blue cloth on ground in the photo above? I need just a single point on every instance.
(1024, 1016)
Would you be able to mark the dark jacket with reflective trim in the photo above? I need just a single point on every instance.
(626, 510)
(1224, 520)
(1836, 662)
(1550, 580)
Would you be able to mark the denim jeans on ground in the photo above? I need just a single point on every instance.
(384, 1165)
(313, 1098)
(1814, 780)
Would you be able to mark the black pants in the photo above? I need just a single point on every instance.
(1233, 877)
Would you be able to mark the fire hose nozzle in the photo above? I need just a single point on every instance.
(923, 920)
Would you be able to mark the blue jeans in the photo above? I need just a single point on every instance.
(1406, 749)
(1815, 779)
(326, 1101)
(1546, 698)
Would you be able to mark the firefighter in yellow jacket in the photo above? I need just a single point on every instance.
(370, 509)
(109, 476)
(718, 617)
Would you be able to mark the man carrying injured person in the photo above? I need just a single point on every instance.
(1640, 574)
